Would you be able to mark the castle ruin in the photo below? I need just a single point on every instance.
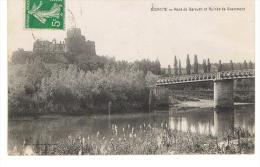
(54, 52)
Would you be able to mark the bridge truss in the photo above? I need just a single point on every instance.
(216, 76)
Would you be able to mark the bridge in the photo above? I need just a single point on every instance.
(223, 83)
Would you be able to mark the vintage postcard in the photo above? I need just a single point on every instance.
(126, 77)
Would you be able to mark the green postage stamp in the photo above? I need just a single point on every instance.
(44, 14)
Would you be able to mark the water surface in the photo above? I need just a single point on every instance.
(205, 121)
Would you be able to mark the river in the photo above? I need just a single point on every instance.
(200, 120)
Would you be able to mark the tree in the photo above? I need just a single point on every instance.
(146, 65)
(169, 69)
(220, 66)
(20, 56)
(231, 65)
(250, 65)
(175, 66)
(196, 65)
(245, 65)
(209, 66)
(240, 66)
(180, 71)
(188, 66)
(35, 72)
(157, 67)
(204, 66)
(163, 71)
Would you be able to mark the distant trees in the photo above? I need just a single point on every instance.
(235, 66)
(240, 66)
(245, 65)
(220, 68)
(250, 65)
(156, 67)
(148, 65)
(196, 65)
(163, 71)
(231, 65)
(91, 63)
(20, 56)
(188, 65)
(209, 66)
(204, 66)
(99, 62)
(169, 69)
(180, 70)
(175, 66)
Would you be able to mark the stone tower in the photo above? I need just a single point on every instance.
(76, 44)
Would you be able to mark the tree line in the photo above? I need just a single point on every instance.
(84, 62)
(205, 67)
(40, 88)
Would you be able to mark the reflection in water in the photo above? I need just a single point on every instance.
(223, 122)
(50, 129)
(212, 121)
(199, 122)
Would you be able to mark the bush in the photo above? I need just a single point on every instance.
(72, 90)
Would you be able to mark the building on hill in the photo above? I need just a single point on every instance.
(75, 43)
(90, 48)
(48, 48)
(49, 52)
(57, 52)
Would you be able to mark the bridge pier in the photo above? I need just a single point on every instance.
(223, 84)
(161, 95)
(223, 93)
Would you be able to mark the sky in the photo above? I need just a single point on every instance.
(129, 30)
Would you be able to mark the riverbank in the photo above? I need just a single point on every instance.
(195, 127)
(203, 103)
(143, 141)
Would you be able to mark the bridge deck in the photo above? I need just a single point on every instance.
(224, 75)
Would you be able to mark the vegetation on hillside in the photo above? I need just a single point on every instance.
(36, 88)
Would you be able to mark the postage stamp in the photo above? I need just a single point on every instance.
(44, 14)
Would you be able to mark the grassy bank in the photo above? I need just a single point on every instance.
(144, 140)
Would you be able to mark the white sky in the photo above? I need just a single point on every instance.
(128, 30)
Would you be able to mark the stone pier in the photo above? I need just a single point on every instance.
(161, 95)
(223, 93)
